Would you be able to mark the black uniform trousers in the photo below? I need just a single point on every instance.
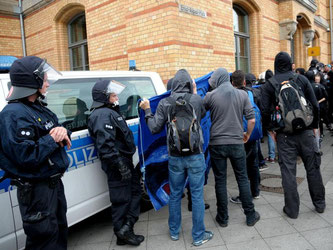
(304, 145)
(43, 212)
(125, 196)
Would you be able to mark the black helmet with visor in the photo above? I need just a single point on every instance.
(28, 74)
(103, 89)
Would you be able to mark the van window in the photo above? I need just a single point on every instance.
(70, 99)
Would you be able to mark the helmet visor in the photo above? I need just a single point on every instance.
(115, 87)
(46, 71)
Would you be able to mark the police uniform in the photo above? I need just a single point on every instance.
(115, 144)
(33, 159)
(40, 162)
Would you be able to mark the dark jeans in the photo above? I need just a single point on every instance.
(236, 154)
(125, 196)
(252, 165)
(44, 216)
(261, 158)
(304, 145)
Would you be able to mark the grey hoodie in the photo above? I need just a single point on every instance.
(181, 85)
(227, 105)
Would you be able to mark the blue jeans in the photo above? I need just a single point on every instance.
(271, 146)
(194, 167)
(236, 153)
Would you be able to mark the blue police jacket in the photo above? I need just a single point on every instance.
(26, 143)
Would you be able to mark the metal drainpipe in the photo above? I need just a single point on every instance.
(331, 30)
(22, 29)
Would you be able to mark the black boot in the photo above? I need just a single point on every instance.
(126, 236)
(139, 237)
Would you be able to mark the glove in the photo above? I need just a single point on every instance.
(124, 171)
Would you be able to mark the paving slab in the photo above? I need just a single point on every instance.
(289, 242)
(274, 230)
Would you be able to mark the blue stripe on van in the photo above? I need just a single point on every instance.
(82, 153)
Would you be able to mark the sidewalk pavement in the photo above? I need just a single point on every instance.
(274, 230)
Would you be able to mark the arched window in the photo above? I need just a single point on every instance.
(242, 39)
(77, 43)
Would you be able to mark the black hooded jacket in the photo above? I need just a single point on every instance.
(180, 86)
(283, 72)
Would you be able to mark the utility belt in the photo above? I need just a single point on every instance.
(25, 187)
(52, 181)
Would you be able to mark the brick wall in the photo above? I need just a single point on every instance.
(162, 39)
(10, 36)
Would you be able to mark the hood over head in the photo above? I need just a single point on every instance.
(310, 75)
(219, 77)
(181, 82)
(250, 79)
(282, 63)
(169, 84)
(268, 74)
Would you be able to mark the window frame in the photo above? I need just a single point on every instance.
(57, 106)
(80, 44)
(246, 36)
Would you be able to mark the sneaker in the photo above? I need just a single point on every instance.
(208, 235)
(263, 167)
(174, 237)
(235, 200)
(256, 219)
(256, 197)
(270, 160)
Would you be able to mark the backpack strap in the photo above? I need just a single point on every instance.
(250, 94)
(172, 101)
(277, 86)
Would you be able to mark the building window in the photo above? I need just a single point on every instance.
(242, 39)
(77, 43)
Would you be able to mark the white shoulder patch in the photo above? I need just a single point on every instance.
(108, 126)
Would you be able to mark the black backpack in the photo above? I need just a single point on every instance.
(293, 112)
(184, 133)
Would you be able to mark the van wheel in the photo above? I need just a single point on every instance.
(145, 200)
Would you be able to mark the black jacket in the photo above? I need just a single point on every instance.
(112, 136)
(283, 72)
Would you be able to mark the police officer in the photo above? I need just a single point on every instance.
(33, 141)
(115, 144)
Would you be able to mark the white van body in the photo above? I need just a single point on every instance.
(85, 183)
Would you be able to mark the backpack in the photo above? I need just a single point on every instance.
(257, 130)
(293, 112)
(184, 133)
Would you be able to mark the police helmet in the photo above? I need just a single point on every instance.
(27, 76)
(102, 90)
(313, 62)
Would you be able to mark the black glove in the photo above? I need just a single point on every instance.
(124, 171)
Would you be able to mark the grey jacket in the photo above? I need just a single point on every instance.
(181, 85)
(227, 105)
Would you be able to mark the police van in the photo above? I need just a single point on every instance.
(85, 183)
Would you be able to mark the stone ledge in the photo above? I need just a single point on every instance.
(321, 22)
(310, 4)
